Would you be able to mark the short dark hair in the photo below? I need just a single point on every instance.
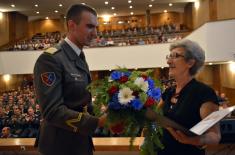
(75, 11)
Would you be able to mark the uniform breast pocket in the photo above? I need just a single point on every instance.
(77, 77)
(76, 80)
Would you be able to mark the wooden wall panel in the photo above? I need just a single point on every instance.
(169, 17)
(12, 84)
(206, 75)
(188, 15)
(225, 9)
(4, 28)
(213, 10)
(201, 15)
(43, 26)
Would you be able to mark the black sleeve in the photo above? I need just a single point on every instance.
(208, 95)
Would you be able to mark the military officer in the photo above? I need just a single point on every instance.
(61, 76)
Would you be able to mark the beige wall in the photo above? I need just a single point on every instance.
(43, 26)
(225, 9)
(201, 15)
(4, 28)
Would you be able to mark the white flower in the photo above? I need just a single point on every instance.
(110, 79)
(142, 84)
(125, 95)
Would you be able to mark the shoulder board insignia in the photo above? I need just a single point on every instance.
(51, 50)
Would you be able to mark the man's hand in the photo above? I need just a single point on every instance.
(150, 114)
(102, 120)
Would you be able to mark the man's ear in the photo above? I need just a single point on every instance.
(71, 25)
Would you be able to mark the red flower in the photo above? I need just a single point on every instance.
(117, 128)
(144, 77)
(150, 101)
(136, 93)
(112, 90)
(123, 79)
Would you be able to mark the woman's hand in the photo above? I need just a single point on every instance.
(182, 138)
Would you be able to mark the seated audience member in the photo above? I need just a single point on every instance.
(15, 121)
(6, 133)
(31, 123)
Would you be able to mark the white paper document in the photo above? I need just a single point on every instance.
(211, 120)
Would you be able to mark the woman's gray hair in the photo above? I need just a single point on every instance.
(192, 51)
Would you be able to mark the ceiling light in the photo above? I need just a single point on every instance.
(150, 5)
(165, 11)
(106, 2)
(13, 5)
(1, 15)
(56, 11)
(60, 5)
(232, 67)
(6, 77)
(152, 0)
(47, 17)
(106, 18)
(197, 4)
(64, 17)
(36, 5)
(83, 3)
(170, 4)
(129, 1)
(120, 22)
(132, 13)
(115, 14)
(3, 10)
(210, 63)
(112, 8)
(131, 7)
(37, 12)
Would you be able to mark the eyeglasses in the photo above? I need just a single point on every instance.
(173, 56)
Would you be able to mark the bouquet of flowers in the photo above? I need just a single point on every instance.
(127, 96)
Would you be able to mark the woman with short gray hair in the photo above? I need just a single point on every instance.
(188, 102)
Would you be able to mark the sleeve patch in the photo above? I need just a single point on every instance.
(48, 78)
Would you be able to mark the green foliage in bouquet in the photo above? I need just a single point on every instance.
(127, 96)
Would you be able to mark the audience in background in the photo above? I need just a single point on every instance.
(19, 112)
(125, 37)
(6, 133)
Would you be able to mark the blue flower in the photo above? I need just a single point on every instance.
(116, 75)
(127, 73)
(155, 93)
(137, 104)
(151, 83)
(114, 105)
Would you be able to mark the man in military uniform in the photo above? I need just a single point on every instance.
(61, 76)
